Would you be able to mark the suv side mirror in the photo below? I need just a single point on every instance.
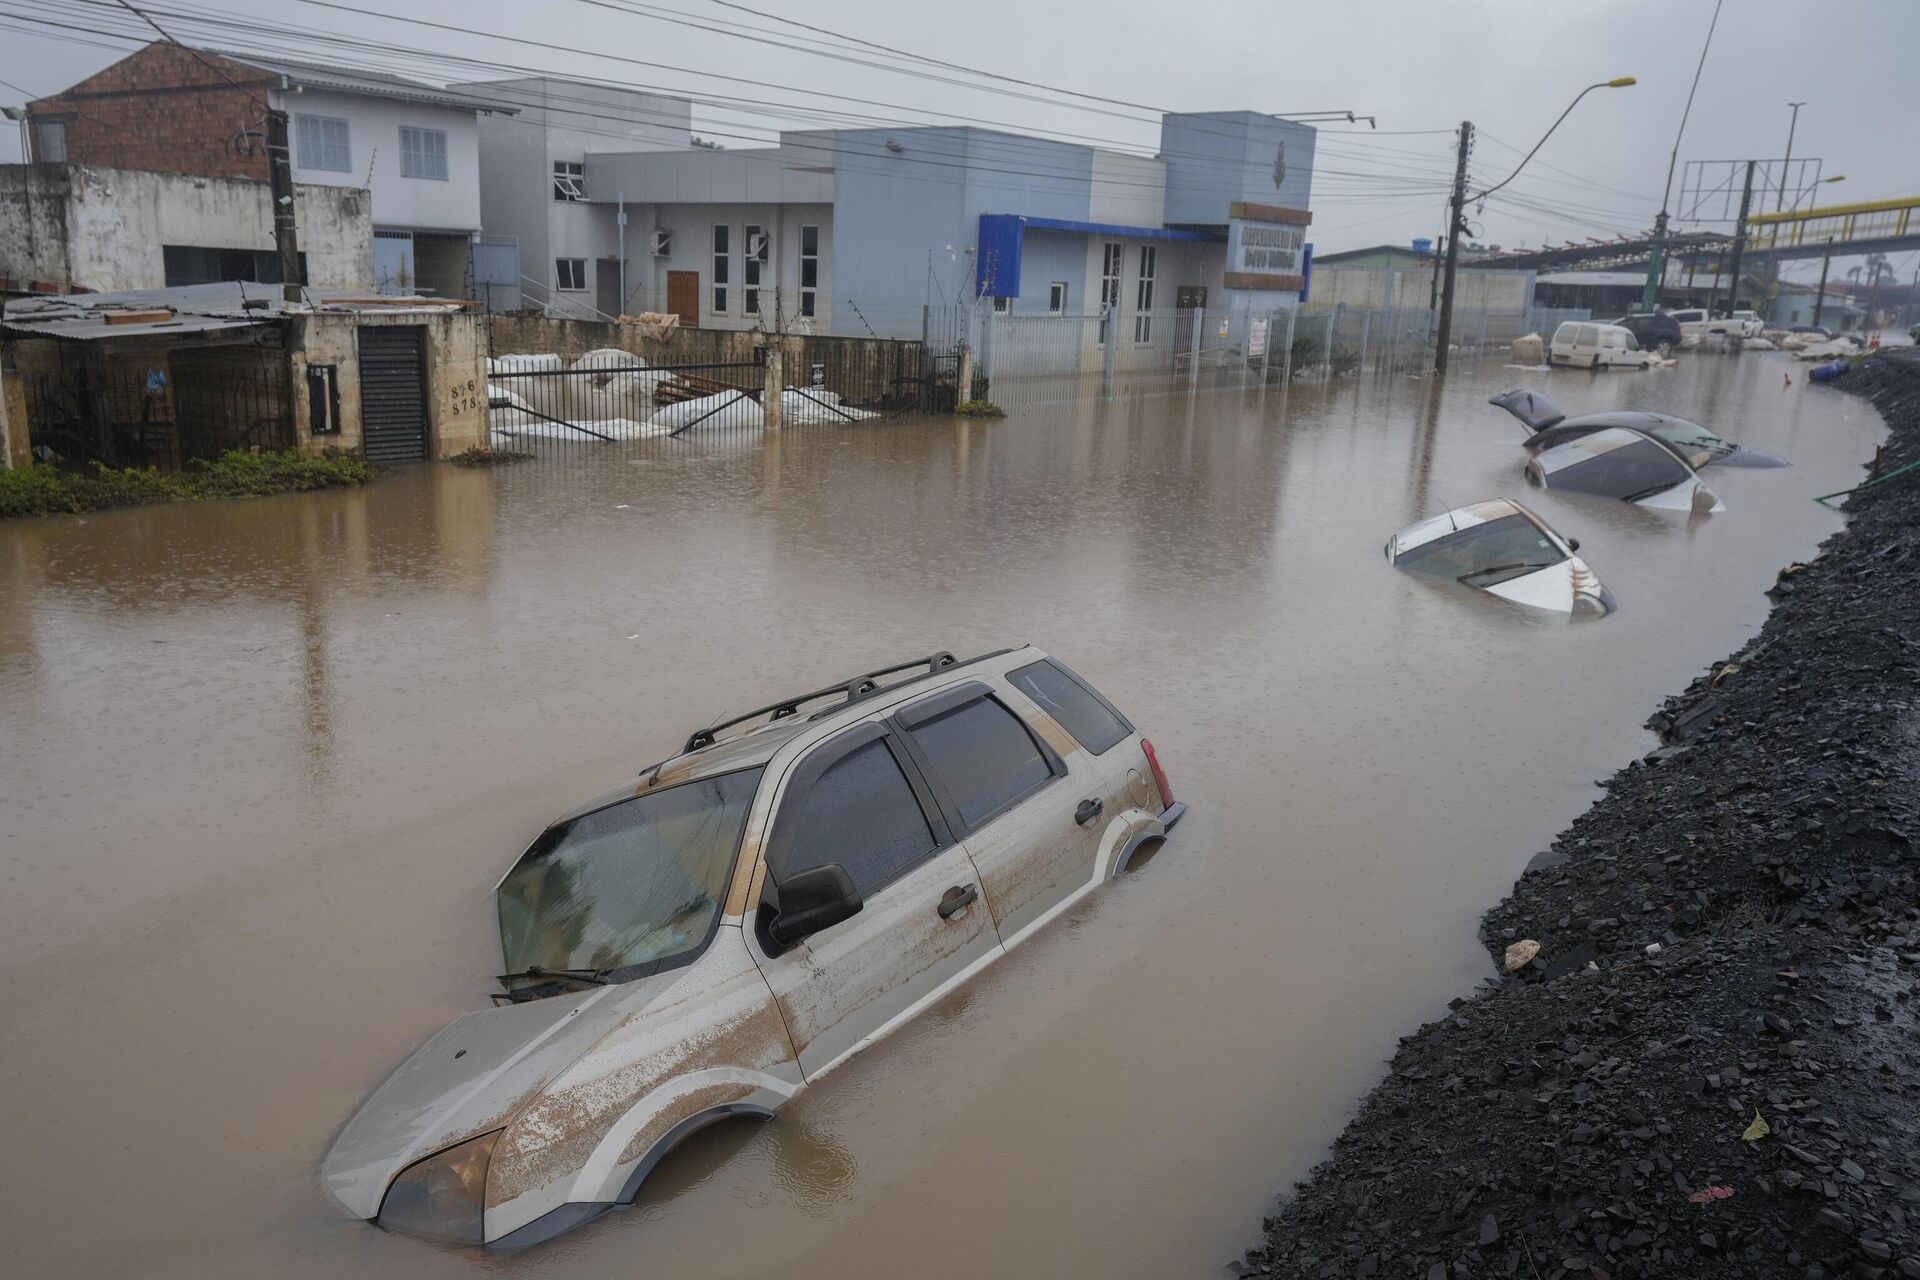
(1573, 544)
(809, 901)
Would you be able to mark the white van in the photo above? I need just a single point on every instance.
(1584, 345)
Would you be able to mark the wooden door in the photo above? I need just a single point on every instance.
(683, 296)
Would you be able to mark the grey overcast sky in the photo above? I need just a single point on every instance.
(1508, 67)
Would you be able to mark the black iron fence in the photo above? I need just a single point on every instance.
(544, 404)
(161, 416)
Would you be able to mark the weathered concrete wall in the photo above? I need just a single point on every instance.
(1377, 289)
(456, 375)
(531, 334)
(82, 227)
(13, 419)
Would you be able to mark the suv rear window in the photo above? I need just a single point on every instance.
(1081, 712)
(984, 756)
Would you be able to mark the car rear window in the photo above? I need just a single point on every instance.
(984, 756)
(1631, 471)
(1080, 711)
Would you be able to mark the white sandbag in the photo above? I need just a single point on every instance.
(609, 359)
(626, 393)
(501, 396)
(800, 405)
(1529, 349)
(544, 363)
(726, 409)
(1758, 344)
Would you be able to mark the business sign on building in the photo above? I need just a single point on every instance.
(1266, 246)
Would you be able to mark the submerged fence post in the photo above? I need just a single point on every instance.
(1483, 332)
(1193, 352)
(1110, 344)
(1326, 347)
(774, 384)
(1366, 327)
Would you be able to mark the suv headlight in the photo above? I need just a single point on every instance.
(443, 1196)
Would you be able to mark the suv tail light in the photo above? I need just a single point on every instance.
(1159, 774)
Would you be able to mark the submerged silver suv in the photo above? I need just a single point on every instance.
(793, 886)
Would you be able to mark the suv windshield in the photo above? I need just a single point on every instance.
(636, 882)
(1486, 553)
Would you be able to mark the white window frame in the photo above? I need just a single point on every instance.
(315, 147)
(809, 267)
(1143, 295)
(50, 141)
(1113, 261)
(575, 267)
(1057, 298)
(421, 152)
(722, 268)
(569, 181)
(750, 268)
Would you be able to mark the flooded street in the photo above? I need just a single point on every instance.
(263, 762)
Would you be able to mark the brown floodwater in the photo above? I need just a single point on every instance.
(261, 762)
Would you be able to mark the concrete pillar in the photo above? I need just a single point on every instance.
(14, 443)
(774, 384)
(963, 388)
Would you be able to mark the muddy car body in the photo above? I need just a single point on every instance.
(742, 920)
(1616, 463)
(1698, 447)
(1501, 548)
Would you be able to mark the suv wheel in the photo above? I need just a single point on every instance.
(1663, 348)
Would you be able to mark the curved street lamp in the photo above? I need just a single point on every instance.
(1618, 82)
(1457, 224)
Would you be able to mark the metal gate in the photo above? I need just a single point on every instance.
(393, 393)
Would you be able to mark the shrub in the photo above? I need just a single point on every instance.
(979, 409)
(481, 456)
(44, 490)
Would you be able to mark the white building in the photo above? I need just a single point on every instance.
(549, 243)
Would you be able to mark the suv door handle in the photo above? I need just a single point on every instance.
(1088, 811)
(955, 900)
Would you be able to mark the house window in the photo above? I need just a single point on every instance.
(569, 181)
(423, 153)
(722, 259)
(53, 142)
(323, 143)
(1057, 298)
(1110, 259)
(750, 268)
(1143, 295)
(1002, 306)
(809, 268)
(570, 273)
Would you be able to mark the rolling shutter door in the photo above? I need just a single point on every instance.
(393, 393)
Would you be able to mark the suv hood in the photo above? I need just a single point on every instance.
(471, 1078)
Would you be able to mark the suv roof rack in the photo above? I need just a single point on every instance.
(851, 690)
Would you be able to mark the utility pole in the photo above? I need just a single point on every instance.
(1456, 223)
(1820, 298)
(286, 242)
(1787, 164)
(1740, 242)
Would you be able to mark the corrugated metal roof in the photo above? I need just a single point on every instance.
(195, 309)
(377, 83)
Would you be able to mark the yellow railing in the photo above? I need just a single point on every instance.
(1871, 220)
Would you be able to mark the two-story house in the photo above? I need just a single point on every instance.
(414, 147)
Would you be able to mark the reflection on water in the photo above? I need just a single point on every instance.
(263, 760)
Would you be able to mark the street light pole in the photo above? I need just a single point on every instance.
(1656, 261)
(1457, 206)
(1787, 163)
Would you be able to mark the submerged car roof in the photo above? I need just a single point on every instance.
(756, 746)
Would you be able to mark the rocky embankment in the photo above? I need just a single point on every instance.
(1711, 1068)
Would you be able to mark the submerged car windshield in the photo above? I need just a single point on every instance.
(1484, 554)
(635, 882)
(1632, 471)
(1691, 437)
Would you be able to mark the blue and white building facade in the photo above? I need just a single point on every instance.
(865, 230)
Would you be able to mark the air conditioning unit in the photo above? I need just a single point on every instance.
(662, 243)
(757, 247)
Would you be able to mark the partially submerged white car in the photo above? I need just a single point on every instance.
(1615, 462)
(1505, 550)
(1548, 426)
(705, 942)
